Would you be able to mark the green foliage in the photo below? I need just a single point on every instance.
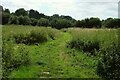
(61, 23)
(56, 16)
(31, 38)
(111, 23)
(21, 20)
(57, 21)
(43, 22)
(13, 56)
(24, 20)
(13, 20)
(105, 44)
(16, 55)
(21, 12)
(35, 14)
(89, 23)
(5, 18)
(109, 63)
(91, 40)
(86, 46)
(34, 21)
(78, 23)
(95, 22)
(7, 11)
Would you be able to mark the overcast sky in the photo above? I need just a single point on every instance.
(78, 9)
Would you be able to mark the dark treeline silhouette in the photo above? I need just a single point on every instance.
(34, 18)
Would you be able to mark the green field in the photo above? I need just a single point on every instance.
(45, 52)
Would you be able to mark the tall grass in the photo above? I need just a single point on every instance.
(91, 40)
(29, 34)
(101, 42)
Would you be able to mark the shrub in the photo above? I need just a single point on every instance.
(34, 21)
(24, 20)
(94, 23)
(89, 40)
(78, 23)
(61, 23)
(43, 22)
(13, 20)
(13, 56)
(83, 45)
(21, 20)
(111, 23)
(89, 23)
(27, 20)
(33, 37)
(109, 64)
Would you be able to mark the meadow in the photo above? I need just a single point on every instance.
(45, 52)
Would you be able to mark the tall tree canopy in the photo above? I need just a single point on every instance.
(35, 14)
(7, 11)
(21, 12)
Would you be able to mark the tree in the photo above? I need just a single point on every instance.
(78, 23)
(21, 20)
(24, 20)
(27, 20)
(20, 12)
(61, 23)
(43, 22)
(13, 20)
(89, 23)
(7, 11)
(34, 21)
(83, 23)
(5, 18)
(111, 23)
(35, 14)
(56, 16)
(94, 22)
(67, 18)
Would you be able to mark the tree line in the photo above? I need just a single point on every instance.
(34, 18)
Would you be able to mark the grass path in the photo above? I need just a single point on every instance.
(47, 60)
(54, 60)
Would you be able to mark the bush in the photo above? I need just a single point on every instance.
(94, 23)
(83, 45)
(13, 56)
(24, 20)
(78, 23)
(92, 41)
(31, 38)
(61, 23)
(89, 23)
(111, 23)
(43, 22)
(13, 20)
(5, 18)
(27, 20)
(109, 63)
(21, 20)
(34, 21)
